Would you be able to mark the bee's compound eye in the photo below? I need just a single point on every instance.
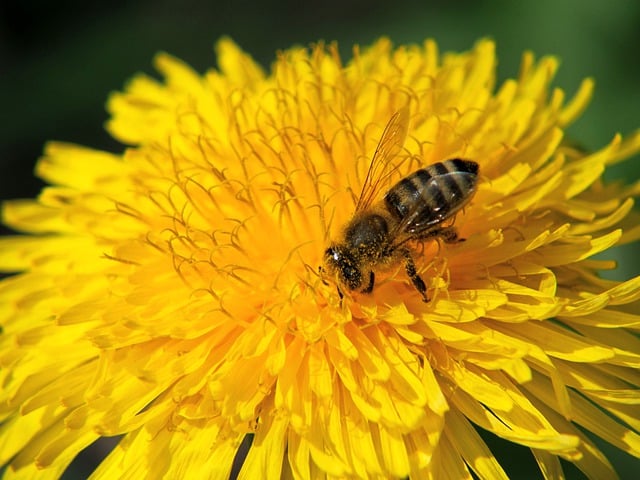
(342, 262)
(351, 276)
(332, 257)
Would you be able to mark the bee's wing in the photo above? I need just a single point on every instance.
(434, 209)
(381, 167)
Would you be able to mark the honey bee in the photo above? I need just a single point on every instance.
(419, 207)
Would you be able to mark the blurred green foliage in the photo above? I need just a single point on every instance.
(59, 60)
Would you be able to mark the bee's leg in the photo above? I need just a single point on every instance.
(324, 282)
(417, 281)
(449, 235)
(372, 280)
(321, 272)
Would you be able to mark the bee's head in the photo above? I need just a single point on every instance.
(339, 260)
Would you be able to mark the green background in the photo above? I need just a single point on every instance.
(59, 60)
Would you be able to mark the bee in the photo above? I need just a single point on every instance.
(417, 208)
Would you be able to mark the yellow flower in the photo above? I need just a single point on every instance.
(171, 294)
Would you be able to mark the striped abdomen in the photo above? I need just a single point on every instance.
(432, 194)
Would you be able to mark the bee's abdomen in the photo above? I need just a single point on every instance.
(433, 193)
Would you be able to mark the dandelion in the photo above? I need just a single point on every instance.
(170, 294)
